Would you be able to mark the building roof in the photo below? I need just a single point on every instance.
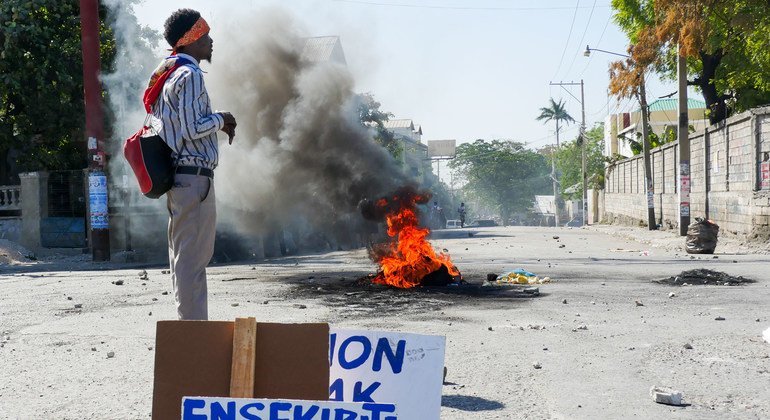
(672, 104)
(323, 49)
(402, 123)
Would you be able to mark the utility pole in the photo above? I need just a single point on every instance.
(582, 101)
(650, 188)
(555, 180)
(97, 178)
(683, 135)
(584, 204)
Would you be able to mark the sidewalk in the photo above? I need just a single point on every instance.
(670, 240)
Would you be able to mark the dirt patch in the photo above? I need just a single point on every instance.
(362, 297)
(702, 277)
(12, 253)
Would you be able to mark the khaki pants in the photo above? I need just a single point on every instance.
(191, 231)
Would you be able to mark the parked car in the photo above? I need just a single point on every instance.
(452, 224)
(483, 223)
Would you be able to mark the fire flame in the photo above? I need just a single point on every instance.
(409, 257)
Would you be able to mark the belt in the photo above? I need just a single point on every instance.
(195, 170)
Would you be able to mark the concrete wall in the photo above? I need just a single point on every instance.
(10, 228)
(725, 179)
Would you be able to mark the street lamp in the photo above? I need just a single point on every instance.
(588, 50)
(645, 142)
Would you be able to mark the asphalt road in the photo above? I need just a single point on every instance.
(599, 353)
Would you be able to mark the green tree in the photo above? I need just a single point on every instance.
(41, 94)
(503, 174)
(569, 160)
(557, 113)
(370, 115)
(725, 42)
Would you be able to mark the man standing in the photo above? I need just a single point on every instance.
(461, 212)
(182, 116)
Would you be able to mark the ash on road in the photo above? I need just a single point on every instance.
(74, 343)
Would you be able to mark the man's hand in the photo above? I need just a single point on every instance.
(229, 129)
(230, 125)
(229, 119)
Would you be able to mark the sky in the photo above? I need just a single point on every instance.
(462, 69)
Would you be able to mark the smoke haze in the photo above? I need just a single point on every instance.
(301, 160)
(301, 157)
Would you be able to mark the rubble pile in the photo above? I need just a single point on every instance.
(701, 276)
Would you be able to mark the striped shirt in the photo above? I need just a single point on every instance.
(182, 117)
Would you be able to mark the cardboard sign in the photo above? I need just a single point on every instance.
(212, 408)
(388, 367)
(195, 358)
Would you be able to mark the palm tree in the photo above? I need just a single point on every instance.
(555, 112)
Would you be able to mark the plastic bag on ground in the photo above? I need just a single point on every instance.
(702, 237)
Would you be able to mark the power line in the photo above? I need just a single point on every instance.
(569, 36)
(422, 6)
(588, 24)
(591, 57)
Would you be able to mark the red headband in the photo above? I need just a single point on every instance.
(195, 33)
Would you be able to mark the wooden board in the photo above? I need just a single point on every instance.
(244, 354)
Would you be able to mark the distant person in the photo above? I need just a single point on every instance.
(461, 213)
(182, 116)
(434, 219)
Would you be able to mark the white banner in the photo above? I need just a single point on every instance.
(388, 367)
(220, 408)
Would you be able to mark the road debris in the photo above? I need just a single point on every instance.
(719, 318)
(666, 396)
(537, 365)
(517, 276)
(110, 355)
(702, 237)
(702, 276)
(766, 335)
(143, 275)
(671, 295)
(638, 303)
(118, 282)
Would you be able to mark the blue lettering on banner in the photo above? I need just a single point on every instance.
(383, 350)
(367, 349)
(343, 414)
(396, 359)
(365, 395)
(246, 414)
(190, 405)
(309, 414)
(219, 413)
(222, 408)
(277, 407)
(378, 408)
(337, 391)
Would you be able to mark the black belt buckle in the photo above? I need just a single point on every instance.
(195, 170)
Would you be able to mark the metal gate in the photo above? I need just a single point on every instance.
(65, 226)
